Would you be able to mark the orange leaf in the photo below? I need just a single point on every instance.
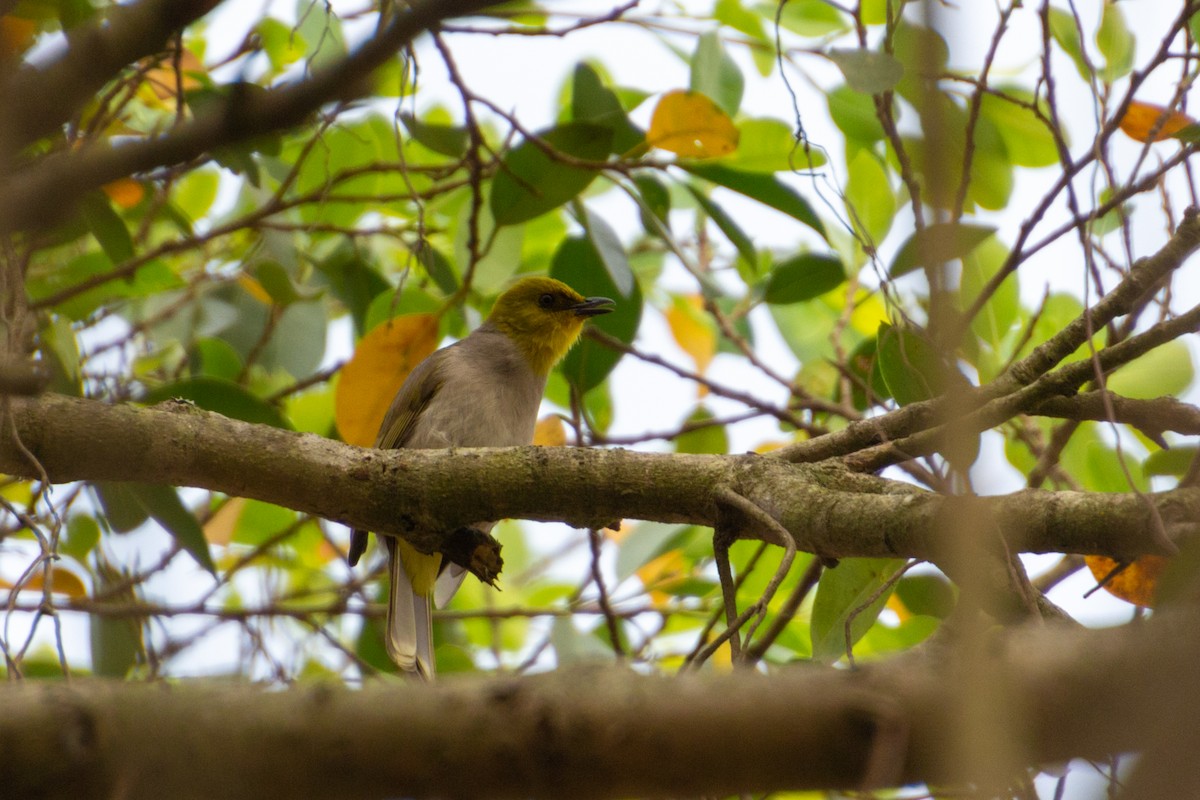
(16, 35)
(221, 526)
(691, 125)
(1143, 119)
(64, 582)
(694, 332)
(161, 79)
(371, 378)
(1136, 583)
(550, 432)
(125, 192)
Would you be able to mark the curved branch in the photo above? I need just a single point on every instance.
(34, 197)
(49, 96)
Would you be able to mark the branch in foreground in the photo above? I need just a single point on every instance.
(34, 196)
(49, 96)
(417, 493)
(602, 732)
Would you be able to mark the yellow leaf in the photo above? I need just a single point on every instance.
(694, 332)
(221, 526)
(1136, 583)
(63, 582)
(125, 192)
(1142, 119)
(371, 378)
(897, 605)
(255, 290)
(550, 432)
(690, 125)
(667, 570)
(722, 659)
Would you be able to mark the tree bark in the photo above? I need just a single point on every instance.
(422, 495)
(605, 732)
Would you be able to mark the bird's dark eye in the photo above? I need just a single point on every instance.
(546, 301)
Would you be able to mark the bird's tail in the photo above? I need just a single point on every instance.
(409, 635)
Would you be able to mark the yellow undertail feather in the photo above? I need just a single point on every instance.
(409, 634)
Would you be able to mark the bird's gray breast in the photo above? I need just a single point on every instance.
(489, 397)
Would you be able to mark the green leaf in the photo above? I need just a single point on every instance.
(867, 71)
(437, 267)
(927, 595)
(1166, 371)
(609, 248)
(735, 15)
(108, 228)
(869, 195)
(449, 140)
(854, 114)
(116, 641)
(924, 55)
(937, 244)
(716, 75)
(1027, 138)
(353, 280)
(530, 183)
(767, 145)
(1000, 312)
(162, 503)
(655, 205)
(766, 189)
(864, 366)
(282, 45)
(1065, 31)
(1176, 461)
(595, 103)
(804, 277)
(276, 281)
(912, 368)
(843, 591)
(122, 511)
(221, 396)
(1116, 43)
(728, 226)
(83, 534)
(709, 440)
(807, 17)
(215, 358)
(321, 30)
(577, 264)
(194, 193)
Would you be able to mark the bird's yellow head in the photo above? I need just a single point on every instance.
(545, 317)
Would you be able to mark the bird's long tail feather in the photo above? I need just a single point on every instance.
(409, 635)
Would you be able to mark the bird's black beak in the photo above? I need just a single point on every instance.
(593, 307)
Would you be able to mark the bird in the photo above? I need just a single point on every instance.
(482, 391)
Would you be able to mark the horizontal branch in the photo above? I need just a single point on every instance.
(1055, 694)
(419, 494)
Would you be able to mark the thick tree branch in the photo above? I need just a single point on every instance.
(416, 494)
(1152, 417)
(37, 100)
(611, 733)
(34, 196)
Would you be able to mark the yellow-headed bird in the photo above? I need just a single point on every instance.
(483, 391)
